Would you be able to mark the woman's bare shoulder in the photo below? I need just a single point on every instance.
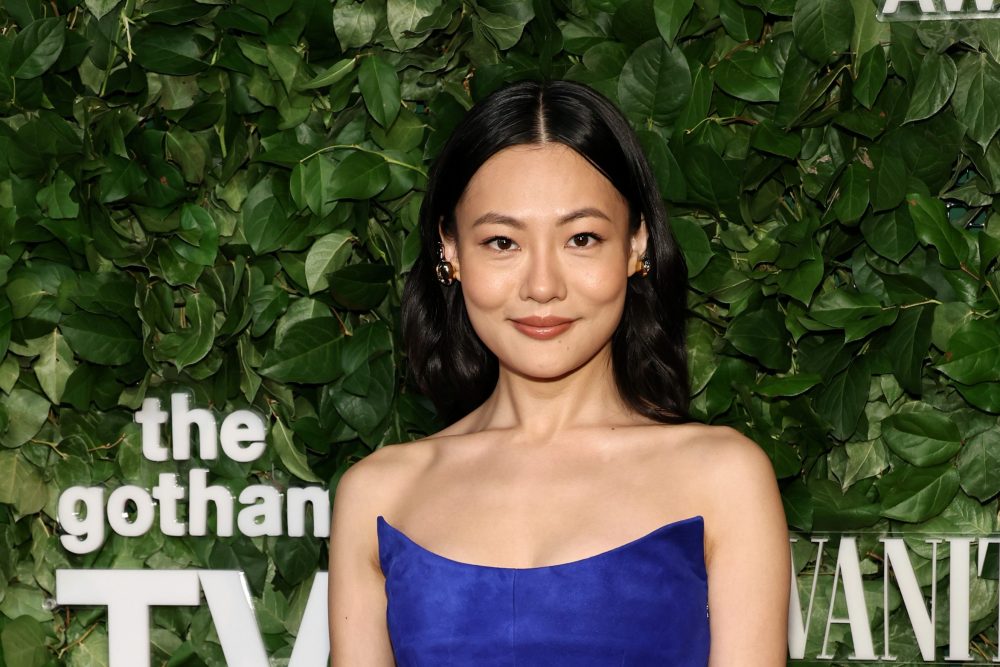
(380, 476)
(726, 464)
(722, 450)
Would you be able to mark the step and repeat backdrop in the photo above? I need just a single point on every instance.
(207, 210)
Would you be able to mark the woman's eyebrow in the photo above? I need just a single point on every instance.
(500, 219)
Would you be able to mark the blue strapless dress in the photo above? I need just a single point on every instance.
(644, 603)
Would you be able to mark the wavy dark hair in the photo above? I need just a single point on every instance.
(448, 361)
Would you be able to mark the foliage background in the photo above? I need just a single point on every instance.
(221, 196)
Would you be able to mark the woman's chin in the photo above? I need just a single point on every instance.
(542, 372)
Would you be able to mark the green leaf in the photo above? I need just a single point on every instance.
(329, 253)
(924, 438)
(93, 651)
(364, 396)
(977, 97)
(27, 412)
(503, 31)
(403, 16)
(784, 458)
(100, 339)
(963, 516)
(269, 9)
(308, 352)
(888, 182)
(985, 395)
(842, 400)
(267, 226)
(21, 484)
(184, 149)
(170, 50)
(310, 185)
(286, 62)
(100, 7)
(762, 334)
(978, 462)
(669, 15)
(37, 47)
(869, 32)
(791, 385)
(693, 242)
(836, 509)
(917, 494)
(798, 504)
(360, 286)
(6, 319)
(122, 179)
(768, 137)
(55, 198)
(891, 235)
(331, 74)
(358, 176)
(23, 600)
(935, 84)
(54, 366)
(655, 84)
(665, 166)
(24, 294)
(380, 89)
(711, 180)
(198, 239)
(871, 73)
(823, 28)
(852, 193)
(742, 23)
(930, 220)
(272, 609)
(192, 342)
(749, 76)
(355, 22)
(864, 459)
(23, 643)
(908, 345)
(973, 353)
(291, 457)
(295, 557)
(839, 307)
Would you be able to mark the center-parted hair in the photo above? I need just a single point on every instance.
(449, 362)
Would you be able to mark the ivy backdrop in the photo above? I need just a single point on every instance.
(221, 196)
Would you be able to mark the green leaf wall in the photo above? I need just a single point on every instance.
(222, 196)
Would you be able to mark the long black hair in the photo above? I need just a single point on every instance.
(449, 362)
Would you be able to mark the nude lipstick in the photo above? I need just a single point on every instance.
(542, 328)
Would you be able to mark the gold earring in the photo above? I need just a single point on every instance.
(644, 266)
(444, 269)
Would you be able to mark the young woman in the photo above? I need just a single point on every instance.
(572, 514)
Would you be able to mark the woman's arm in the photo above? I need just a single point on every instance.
(357, 602)
(747, 556)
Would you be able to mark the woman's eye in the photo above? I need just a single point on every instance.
(583, 240)
(501, 243)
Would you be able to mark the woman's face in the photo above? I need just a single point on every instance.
(543, 254)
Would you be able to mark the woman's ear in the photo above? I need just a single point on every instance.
(638, 245)
(450, 248)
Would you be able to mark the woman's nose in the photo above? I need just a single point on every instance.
(543, 278)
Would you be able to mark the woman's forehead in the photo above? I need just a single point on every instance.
(536, 179)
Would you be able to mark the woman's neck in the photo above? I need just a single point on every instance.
(539, 409)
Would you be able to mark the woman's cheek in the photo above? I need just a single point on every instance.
(606, 286)
(485, 292)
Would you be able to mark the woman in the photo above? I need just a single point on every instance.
(572, 514)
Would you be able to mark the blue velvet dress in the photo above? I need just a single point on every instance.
(644, 603)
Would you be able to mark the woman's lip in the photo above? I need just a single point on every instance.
(542, 332)
(542, 322)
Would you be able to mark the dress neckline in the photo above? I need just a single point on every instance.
(697, 519)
